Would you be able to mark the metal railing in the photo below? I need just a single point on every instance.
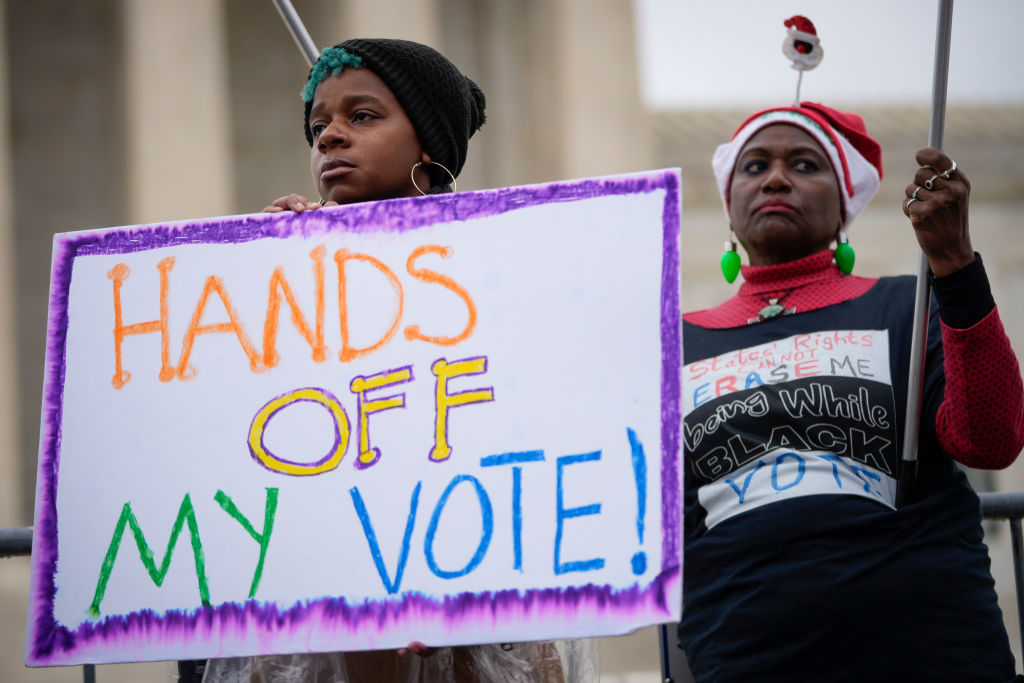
(1008, 506)
(15, 542)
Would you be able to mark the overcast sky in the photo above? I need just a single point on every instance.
(703, 53)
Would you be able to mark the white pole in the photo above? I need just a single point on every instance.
(919, 341)
(298, 30)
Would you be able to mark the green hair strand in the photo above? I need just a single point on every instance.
(331, 62)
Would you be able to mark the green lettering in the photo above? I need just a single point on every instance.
(263, 539)
(186, 513)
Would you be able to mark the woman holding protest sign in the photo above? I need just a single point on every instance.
(799, 566)
(387, 119)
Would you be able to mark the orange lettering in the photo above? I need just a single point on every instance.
(119, 274)
(429, 276)
(215, 284)
(807, 368)
(279, 285)
(723, 384)
(348, 352)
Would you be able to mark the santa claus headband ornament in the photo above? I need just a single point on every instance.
(802, 45)
(855, 156)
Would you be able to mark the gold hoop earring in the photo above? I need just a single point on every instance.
(412, 174)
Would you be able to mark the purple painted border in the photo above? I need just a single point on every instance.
(671, 376)
(50, 643)
(339, 620)
(394, 215)
(42, 625)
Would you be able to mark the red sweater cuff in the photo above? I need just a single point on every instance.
(981, 419)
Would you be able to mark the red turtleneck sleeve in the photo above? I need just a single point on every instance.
(980, 422)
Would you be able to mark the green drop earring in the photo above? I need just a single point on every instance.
(730, 261)
(844, 253)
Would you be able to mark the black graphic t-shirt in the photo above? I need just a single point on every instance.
(797, 564)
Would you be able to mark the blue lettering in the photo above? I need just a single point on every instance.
(801, 467)
(754, 380)
(640, 475)
(371, 537)
(697, 395)
(487, 522)
(746, 481)
(835, 460)
(861, 473)
(562, 513)
(517, 494)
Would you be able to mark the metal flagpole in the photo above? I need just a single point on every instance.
(297, 29)
(919, 341)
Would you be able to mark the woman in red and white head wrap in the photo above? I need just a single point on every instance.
(799, 566)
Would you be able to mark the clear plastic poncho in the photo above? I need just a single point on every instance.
(566, 661)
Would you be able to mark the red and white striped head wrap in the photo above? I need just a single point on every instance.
(856, 157)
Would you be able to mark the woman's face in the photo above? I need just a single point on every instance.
(784, 197)
(364, 145)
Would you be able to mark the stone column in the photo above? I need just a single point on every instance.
(177, 110)
(562, 88)
(417, 20)
(605, 128)
(66, 150)
(10, 443)
(266, 73)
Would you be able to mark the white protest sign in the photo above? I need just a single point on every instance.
(452, 419)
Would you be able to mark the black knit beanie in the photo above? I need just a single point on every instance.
(445, 106)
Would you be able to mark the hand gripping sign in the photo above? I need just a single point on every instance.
(451, 418)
